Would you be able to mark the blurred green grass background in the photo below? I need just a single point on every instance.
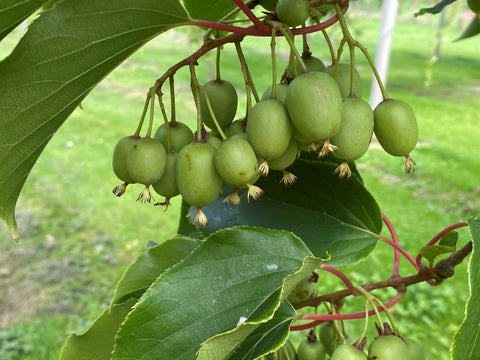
(77, 238)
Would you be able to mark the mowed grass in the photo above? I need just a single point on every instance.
(76, 237)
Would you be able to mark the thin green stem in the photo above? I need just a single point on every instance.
(247, 76)
(372, 299)
(165, 119)
(144, 112)
(194, 85)
(212, 114)
(173, 116)
(285, 31)
(217, 64)
(274, 64)
(352, 42)
(306, 49)
(351, 49)
(153, 90)
(365, 326)
(330, 46)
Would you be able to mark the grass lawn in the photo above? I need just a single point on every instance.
(76, 237)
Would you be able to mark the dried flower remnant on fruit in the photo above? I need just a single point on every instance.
(166, 203)
(145, 196)
(343, 170)
(200, 218)
(327, 148)
(253, 192)
(119, 190)
(409, 165)
(232, 199)
(288, 178)
(263, 168)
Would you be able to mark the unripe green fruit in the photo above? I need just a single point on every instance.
(292, 12)
(223, 99)
(387, 347)
(310, 350)
(280, 92)
(167, 185)
(343, 77)
(269, 128)
(396, 127)
(236, 127)
(326, 335)
(415, 352)
(348, 352)
(197, 178)
(180, 135)
(305, 289)
(269, 5)
(474, 5)
(356, 129)
(236, 162)
(312, 63)
(314, 103)
(146, 161)
(119, 161)
(286, 159)
(214, 141)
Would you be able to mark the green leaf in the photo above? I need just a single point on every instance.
(64, 54)
(472, 29)
(212, 10)
(13, 12)
(434, 9)
(97, 342)
(148, 266)
(263, 339)
(234, 273)
(449, 239)
(331, 215)
(466, 342)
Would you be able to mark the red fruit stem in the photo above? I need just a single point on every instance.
(265, 31)
(246, 10)
(342, 277)
(400, 250)
(393, 234)
(321, 318)
(439, 236)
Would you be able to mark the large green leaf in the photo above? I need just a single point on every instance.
(212, 10)
(235, 273)
(466, 343)
(263, 339)
(148, 266)
(97, 342)
(64, 54)
(331, 215)
(13, 12)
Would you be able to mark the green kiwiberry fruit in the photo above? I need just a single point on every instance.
(119, 161)
(314, 103)
(348, 352)
(415, 351)
(269, 128)
(236, 127)
(214, 141)
(395, 127)
(312, 63)
(197, 178)
(305, 289)
(292, 12)
(387, 347)
(269, 5)
(236, 162)
(223, 99)
(287, 158)
(167, 185)
(474, 5)
(180, 135)
(308, 350)
(280, 92)
(146, 161)
(326, 334)
(343, 76)
(356, 129)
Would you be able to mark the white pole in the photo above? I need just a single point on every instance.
(384, 45)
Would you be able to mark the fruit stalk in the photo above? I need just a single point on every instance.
(194, 85)
(167, 125)
(144, 112)
(173, 113)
